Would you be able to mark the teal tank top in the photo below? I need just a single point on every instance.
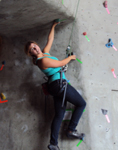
(53, 72)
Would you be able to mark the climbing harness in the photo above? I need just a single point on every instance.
(62, 87)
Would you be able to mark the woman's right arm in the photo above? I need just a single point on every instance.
(51, 63)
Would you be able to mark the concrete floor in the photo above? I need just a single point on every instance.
(24, 124)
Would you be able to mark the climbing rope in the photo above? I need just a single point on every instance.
(73, 23)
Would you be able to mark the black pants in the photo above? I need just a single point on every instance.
(73, 97)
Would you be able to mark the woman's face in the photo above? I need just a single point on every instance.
(34, 49)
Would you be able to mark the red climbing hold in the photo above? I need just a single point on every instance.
(3, 101)
(112, 70)
(84, 33)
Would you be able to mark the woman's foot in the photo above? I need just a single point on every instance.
(75, 134)
(53, 147)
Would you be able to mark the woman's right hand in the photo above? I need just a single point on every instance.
(56, 23)
(73, 57)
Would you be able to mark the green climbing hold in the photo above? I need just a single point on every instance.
(79, 143)
(78, 60)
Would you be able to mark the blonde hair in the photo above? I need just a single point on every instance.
(27, 45)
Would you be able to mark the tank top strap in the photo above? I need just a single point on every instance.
(46, 53)
(43, 57)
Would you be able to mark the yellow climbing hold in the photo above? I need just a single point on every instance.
(2, 96)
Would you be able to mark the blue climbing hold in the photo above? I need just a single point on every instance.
(109, 44)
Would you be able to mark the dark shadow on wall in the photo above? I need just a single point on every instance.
(1, 41)
(37, 30)
(45, 110)
(45, 27)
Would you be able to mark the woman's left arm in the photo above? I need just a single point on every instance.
(50, 39)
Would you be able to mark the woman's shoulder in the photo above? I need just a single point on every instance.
(41, 63)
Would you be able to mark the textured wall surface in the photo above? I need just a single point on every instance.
(16, 17)
(98, 60)
(26, 118)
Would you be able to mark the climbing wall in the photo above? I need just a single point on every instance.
(99, 69)
(26, 115)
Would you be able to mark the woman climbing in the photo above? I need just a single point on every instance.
(57, 85)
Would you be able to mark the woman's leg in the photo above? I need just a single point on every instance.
(59, 111)
(59, 114)
(75, 98)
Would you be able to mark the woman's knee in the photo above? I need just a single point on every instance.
(85, 103)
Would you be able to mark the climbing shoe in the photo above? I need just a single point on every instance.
(53, 147)
(75, 135)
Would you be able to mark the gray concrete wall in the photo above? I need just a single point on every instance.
(16, 17)
(96, 69)
(24, 124)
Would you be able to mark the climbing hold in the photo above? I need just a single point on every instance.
(105, 5)
(85, 34)
(112, 70)
(105, 113)
(57, 21)
(79, 143)
(2, 96)
(109, 44)
(78, 60)
(3, 101)
(3, 63)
